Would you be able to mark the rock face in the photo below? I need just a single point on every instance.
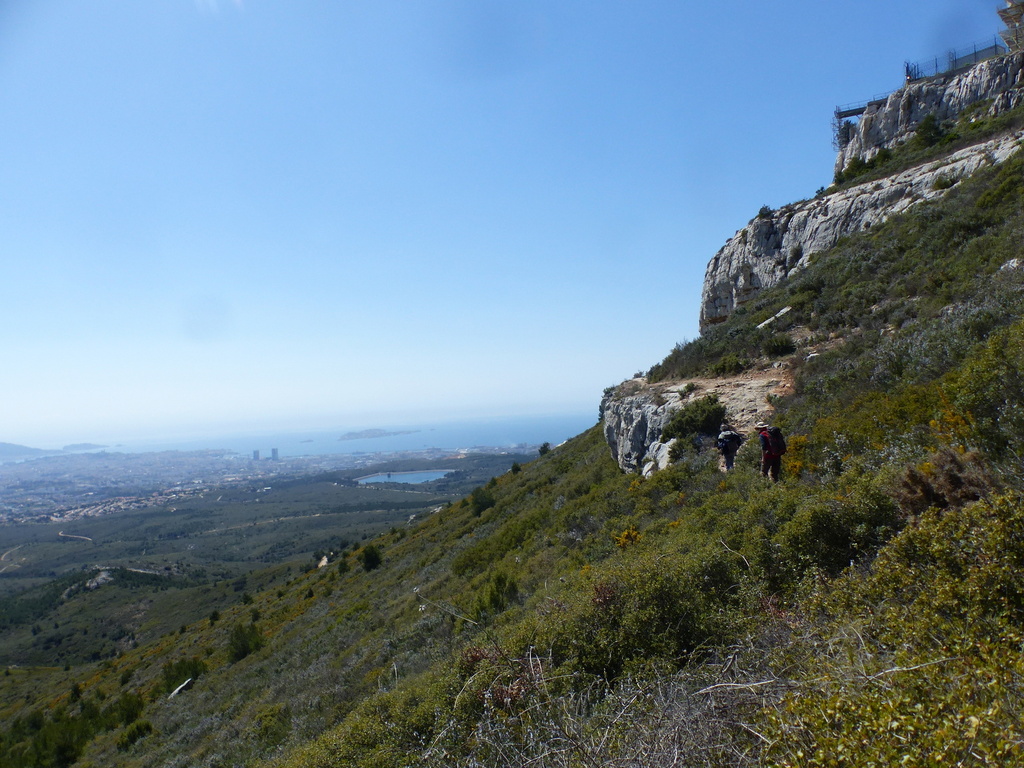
(774, 244)
(893, 122)
(635, 413)
(633, 418)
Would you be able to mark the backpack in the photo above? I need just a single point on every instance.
(729, 441)
(776, 442)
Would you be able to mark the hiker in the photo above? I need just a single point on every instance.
(773, 445)
(729, 442)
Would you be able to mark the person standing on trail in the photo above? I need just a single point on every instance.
(773, 445)
(729, 442)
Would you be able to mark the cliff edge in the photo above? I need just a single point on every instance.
(634, 414)
(778, 242)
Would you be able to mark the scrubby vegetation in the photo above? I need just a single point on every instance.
(163, 567)
(867, 610)
(932, 139)
(931, 274)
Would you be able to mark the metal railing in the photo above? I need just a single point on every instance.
(858, 107)
(955, 60)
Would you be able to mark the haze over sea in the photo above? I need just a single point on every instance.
(444, 435)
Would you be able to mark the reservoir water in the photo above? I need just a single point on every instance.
(404, 477)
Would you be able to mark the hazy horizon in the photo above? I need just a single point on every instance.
(235, 436)
(237, 213)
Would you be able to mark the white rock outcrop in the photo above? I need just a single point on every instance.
(773, 245)
(999, 81)
(633, 418)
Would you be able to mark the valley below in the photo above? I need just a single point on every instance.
(171, 555)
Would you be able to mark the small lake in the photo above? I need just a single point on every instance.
(405, 477)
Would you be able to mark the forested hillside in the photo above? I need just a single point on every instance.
(867, 610)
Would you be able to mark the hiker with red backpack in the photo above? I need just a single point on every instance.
(773, 445)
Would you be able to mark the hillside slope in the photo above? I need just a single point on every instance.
(868, 609)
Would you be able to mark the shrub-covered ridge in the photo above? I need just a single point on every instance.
(866, 610)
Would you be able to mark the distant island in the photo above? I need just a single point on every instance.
(369, 434)
(10, 450)
(82, 447)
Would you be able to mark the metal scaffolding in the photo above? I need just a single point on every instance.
(1013, 17)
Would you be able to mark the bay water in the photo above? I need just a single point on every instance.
(508, 433)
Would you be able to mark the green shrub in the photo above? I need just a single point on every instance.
(1008, 185)
(127, 708)
(832, 530)
(856, 167)
(137, 730)
(923, 661)
(244, 640)
(480, 500)
(645, 608)
(779, 344)
(728, 365)
(272, 725)
(499, 591)
(700, 417)
(177, 672)
(989, 391)
(370, 557)
(929, 132)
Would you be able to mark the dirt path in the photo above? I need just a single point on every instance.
(745, 396)
(73, 536)
(3, 558)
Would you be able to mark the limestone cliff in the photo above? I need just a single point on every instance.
(999, 82)
(777, 242)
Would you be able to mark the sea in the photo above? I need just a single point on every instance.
(500, 433)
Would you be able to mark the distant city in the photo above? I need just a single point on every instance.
(72, 486)
(85, 479)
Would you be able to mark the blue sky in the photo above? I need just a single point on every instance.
(272, 215)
